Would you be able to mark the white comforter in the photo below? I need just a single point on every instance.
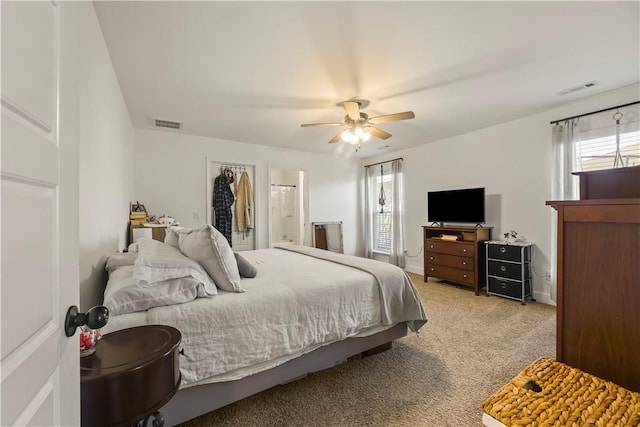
(294, 305)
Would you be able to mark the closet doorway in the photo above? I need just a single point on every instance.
(240, 240)
(287, 207)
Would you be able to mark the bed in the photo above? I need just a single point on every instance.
(305, 310)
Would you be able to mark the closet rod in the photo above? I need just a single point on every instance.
(386, 161)
(283, 185)
(594, 112)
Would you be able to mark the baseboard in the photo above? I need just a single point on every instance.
(414, 269)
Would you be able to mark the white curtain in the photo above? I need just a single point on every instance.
(565, 160)
(368, 220)
(396, 257)
(564, 185)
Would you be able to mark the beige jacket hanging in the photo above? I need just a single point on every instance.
(244, 202)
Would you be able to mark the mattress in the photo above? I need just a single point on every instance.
(295, 304)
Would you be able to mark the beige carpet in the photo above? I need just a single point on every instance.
(470, 347)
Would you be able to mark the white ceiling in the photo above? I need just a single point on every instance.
(254, 71)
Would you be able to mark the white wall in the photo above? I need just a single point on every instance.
(105, 138)
(170, 178)
(512, 161)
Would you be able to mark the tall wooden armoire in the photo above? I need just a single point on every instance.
(598, 277)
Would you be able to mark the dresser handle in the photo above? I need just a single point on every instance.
(503, 268)
(431, 247)
(431, 268)
(464, 275)
(503, 285)
(431, 258)
(464, 250)
(464, 262)
(503, 249)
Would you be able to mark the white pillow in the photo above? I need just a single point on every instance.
(171, 236)
(157, 262)
(122, 294)
(211, 249)
(118, 260)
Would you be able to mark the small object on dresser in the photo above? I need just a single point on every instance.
(165, 220)
(138, 214)
(513, 234)
(449, 237)
(88, 340)
(137, 207)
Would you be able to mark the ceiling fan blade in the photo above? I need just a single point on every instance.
(353, 109)
(392, 117)
(307, 125)
(378, 133)
(336, 138)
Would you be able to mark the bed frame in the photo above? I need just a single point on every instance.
(194, 401)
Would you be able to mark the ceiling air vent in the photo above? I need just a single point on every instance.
(168, 124)
(587, 85)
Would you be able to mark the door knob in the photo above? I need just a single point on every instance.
(95, 318)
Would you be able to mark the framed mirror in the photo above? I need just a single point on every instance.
(327, 235)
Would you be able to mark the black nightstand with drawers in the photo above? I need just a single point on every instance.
(509, 271)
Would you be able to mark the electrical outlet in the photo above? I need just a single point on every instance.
(196, 215)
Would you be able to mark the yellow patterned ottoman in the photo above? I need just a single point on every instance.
(550, 393)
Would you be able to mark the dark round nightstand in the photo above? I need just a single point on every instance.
(132, 374)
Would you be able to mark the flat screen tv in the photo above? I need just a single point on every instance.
(462, 206)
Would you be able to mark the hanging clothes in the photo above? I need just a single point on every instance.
(244, 202)
(222, 201)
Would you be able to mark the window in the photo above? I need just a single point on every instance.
(599, 153)
(382, 215)
(384, 225)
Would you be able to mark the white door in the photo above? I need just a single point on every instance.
(40, 365)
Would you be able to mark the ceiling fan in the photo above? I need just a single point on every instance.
(360, 125)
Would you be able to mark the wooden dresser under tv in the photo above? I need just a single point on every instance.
(598, 277)
(456, 254)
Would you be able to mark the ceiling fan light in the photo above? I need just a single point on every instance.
(365, 136)
(350, 137)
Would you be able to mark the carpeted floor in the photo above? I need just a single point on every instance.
(470, 347)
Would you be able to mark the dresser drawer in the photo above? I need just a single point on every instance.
(505, 252)
(450, 261)
(508, 288)
(450, 248)
(449, 273)
(508, 270)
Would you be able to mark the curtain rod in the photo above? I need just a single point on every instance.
(386, 161)
(594, 112)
